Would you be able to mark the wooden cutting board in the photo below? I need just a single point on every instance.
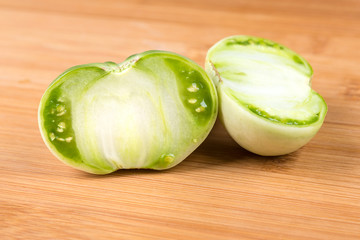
(221, 191)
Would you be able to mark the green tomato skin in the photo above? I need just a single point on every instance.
(258, 133)
(151, 111)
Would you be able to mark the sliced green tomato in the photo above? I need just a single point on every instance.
(150, 111)
(266, 101)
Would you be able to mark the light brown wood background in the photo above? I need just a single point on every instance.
(221, 191)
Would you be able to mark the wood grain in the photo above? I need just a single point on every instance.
(221, 191)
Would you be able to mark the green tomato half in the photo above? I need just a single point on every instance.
(151, 111)
(266, 101)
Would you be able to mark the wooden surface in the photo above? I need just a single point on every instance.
(221, 191)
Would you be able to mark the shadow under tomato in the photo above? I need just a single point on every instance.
(220, 149)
